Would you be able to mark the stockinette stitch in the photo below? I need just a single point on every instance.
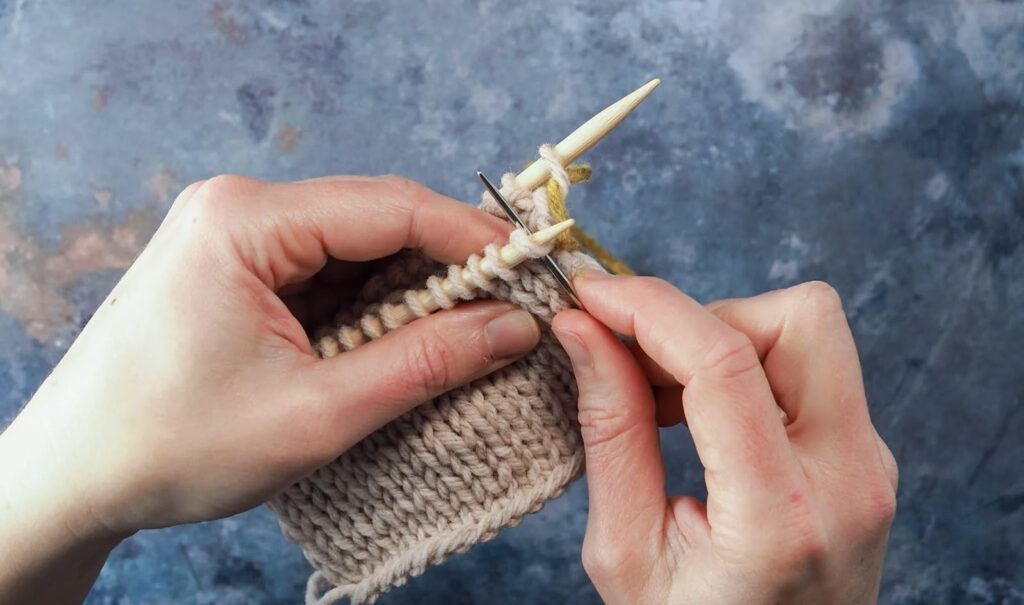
(457, 469)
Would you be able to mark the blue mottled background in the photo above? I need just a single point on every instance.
(878, 145)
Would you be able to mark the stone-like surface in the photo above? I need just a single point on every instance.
(876, 145)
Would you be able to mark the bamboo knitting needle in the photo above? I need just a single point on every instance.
(570, 148)
(586, 136)
(400, 314)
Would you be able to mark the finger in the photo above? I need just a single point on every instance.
(691, 517)
(810, 359)
(728, 404)
(889, 466)
(176, 210)
(183, 198)
(372, 217)
(363, 389)
(294, 288)
(290, 229)
(668, 394)
(657, 375)
(625, 477)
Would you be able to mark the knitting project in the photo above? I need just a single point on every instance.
(457, 469)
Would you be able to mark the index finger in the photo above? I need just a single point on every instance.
(363, 218)
(287, 231)
(727, 400)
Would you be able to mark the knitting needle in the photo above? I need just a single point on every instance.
(570, 148)
(586, 136)
(401, 314)
(549, 261)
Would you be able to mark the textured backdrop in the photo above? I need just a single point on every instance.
(878, 145)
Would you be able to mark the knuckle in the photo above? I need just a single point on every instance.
(188, 192)
(653, 287)
(601, 426)
(881, 504)
(892, 473)
(889, 465)
(602, 560)
(810, 547)
(819, 298)
(800, 557)
(228, 186)
(428, 364)
(220, 195)
(402, 186)
(732, 355)
(804, 542)
(401, 197)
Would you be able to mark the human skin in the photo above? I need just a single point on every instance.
(193, 394)
(801, 490)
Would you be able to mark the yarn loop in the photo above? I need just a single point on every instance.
(455, 470)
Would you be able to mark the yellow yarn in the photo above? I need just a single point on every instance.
(602, 254)
(577, 238)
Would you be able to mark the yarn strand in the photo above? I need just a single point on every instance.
(462, 283)
(455, 470)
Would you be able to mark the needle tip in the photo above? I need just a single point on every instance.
(487, 182)
(547, 234)
(641, 93)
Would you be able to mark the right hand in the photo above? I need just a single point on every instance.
(799, 504)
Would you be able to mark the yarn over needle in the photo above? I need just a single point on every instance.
(457, 469)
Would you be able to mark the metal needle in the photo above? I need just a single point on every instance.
(549, 262)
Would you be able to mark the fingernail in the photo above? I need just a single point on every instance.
(577, 350)
(511, 334)
(590, 274)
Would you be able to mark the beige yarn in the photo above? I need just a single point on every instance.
(457, 469)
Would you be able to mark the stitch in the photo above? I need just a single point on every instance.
(459, 468)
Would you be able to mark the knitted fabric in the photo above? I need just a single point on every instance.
(457, 469)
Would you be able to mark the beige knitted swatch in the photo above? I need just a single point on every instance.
(455, 470)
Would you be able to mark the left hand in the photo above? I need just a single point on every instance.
(193, 392)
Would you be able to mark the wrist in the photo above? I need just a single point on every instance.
(44, 507)
(48, 553)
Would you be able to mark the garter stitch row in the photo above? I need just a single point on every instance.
(457, 469)
(468, 281)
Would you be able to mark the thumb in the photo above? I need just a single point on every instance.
(625, 476)
(368, 387)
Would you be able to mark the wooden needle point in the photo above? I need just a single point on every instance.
(570, 148)
(584, 137)
(547, 234)
(511, 256)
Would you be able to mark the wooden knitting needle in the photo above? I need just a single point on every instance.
(584, 137)
(509, 254)
(570, 148)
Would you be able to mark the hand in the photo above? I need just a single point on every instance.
(193, 392)
(799, 505)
